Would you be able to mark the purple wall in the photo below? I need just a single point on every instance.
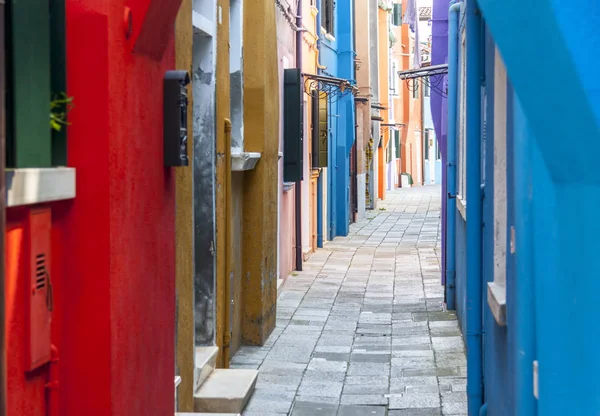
(439, 55)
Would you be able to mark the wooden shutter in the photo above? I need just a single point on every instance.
(292, 125)
(397, 14)
(323, 129)
(28, 105)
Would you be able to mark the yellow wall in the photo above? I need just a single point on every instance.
(261, 126)
(184, 262)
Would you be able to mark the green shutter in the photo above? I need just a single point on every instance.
(323, 129)
(397, 143)
(28, 104)
(397, 14)
(320, 130)
(58, 74)
(292, 125)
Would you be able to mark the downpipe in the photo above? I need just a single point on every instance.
(453, 13)
(474, 64)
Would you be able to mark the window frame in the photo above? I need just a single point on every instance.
(327, 11)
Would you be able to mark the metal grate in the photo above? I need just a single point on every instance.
(40, 271)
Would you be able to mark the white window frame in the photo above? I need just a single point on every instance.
(461, 188)
(497, 288)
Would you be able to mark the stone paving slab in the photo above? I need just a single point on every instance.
(363, 330)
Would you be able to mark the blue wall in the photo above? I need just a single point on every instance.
(553, 191)
(337, 55)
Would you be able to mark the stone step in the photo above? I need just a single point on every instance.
(205, 363)
(207, 414)
(226, 391)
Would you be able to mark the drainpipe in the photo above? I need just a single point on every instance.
(451, 156)
(524, 351)
(474, 208)
(298, 187)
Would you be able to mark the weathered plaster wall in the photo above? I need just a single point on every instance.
(184, 229)
(287, 231)
(203, 79)
(261, 127)
(372, 171)
(384, 58)
(363, 110)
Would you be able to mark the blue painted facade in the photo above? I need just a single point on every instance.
(336, 53)
(552, 194)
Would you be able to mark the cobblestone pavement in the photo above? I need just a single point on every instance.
(362, 330)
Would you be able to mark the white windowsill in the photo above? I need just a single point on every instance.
(242, 161)
(461, 205)
(38, 185)
(497, 302)
(202, 24)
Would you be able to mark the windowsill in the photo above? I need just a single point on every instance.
(242, 161)
(327, 35)
(287, 186)
(37, 185)
(314, 11)
(202, 25)
(497, 302)
(461, 205)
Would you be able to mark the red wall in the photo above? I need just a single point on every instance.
(113, 248)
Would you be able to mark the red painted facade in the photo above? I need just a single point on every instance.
(113, 246)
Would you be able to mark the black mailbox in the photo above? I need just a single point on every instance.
(175, 118)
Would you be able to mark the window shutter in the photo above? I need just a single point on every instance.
(323, 133)
(293, 125)
(28, 105)
(397, 143)
(319, 131)
(397, 14)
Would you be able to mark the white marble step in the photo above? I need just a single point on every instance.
(205, 362)
(207, 414)
(226, 391)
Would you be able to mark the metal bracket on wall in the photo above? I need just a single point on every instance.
(335, 88)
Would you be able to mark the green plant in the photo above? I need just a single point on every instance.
(59, 108)
(385, 5)
(393, 39)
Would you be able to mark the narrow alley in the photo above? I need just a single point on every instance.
(362, 329)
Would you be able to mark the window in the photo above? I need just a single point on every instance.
(426, 144)
(397, 143)
(415, 88)
(426, 87)
(497, 288)
(35, 64)
(236, 76)
(327, 7)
